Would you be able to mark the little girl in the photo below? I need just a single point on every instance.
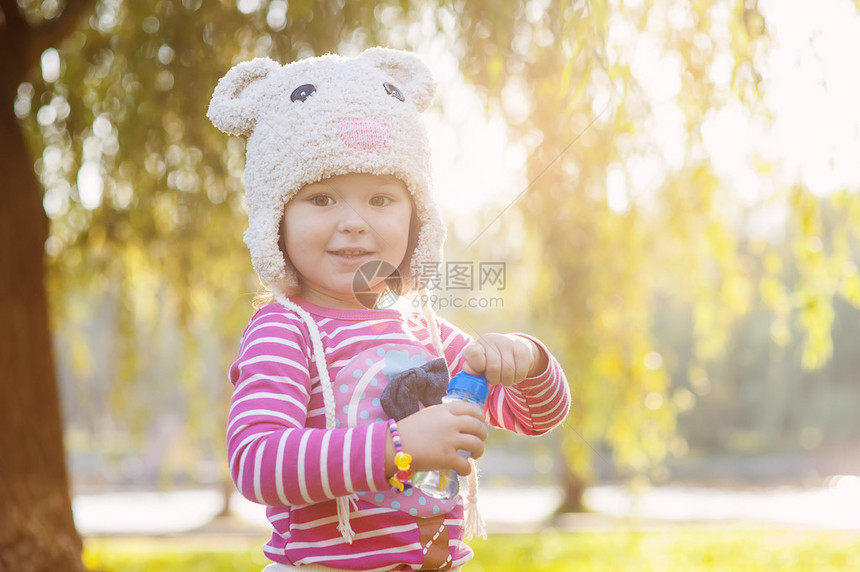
(338, 176)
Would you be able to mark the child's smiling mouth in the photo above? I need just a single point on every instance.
(351, 256)
(350, 252)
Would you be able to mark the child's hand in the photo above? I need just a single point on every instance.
(504, 359)
(434, 434)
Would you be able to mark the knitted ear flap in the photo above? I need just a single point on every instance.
(234, 104)
(411, 74)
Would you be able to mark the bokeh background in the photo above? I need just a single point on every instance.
(669, 186)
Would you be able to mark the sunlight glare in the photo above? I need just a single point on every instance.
(474, 163)
(808, 131)
(616, 190)
(813, 89)
(50, 65)
(90, 185)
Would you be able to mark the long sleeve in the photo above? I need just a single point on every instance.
(532, 407)
(276, 454)
(535, 405)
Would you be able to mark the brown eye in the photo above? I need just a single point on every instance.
(380, 201)
(321, 200)
(392, 90)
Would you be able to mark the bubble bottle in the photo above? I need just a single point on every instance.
(444, 484)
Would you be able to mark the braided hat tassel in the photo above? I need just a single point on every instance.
(343, 503)
(474, 525)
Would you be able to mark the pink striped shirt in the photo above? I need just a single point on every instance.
(281, 455)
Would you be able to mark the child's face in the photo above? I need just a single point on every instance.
(334, 226)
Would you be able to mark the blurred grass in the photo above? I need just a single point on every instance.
(703, 550)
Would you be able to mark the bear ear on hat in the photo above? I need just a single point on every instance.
(234, 105)
(411, 74)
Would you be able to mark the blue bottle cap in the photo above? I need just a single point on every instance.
(474, 384)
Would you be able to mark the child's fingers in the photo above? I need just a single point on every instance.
(493, 369)
(466, 409)
(514, 359)
(508, 359)
(504, 359)
(475, 448)
(503, 366)
(472, 432)
(523, 359)
(472, 422)
(475, 358)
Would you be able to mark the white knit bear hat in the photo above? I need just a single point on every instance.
(326, 116)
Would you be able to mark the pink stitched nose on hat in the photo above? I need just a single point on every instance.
(365, 135)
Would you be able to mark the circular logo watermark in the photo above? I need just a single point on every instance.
(370, 274)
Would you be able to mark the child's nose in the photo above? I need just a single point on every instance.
(351, 220)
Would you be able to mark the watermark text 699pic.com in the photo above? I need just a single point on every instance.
(450, 282)
(438, 302)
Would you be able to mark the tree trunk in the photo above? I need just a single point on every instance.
(227, 489)
(37, 532)
(573, 490)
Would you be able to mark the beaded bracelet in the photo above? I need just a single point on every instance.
(400, 480)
